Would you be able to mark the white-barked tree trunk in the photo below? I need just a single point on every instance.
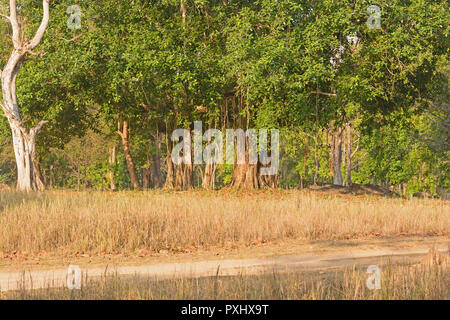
(24, 140)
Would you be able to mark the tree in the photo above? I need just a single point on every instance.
(24, 140)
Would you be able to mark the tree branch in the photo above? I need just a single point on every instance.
(6, 17)
(17, 41)
(354, 152)
(39, 126)
(12, 118)
(325, 93)
(44, 23)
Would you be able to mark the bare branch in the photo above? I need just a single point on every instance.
(34, 131)
(15, 24)
(355, 151)
(325, 93)
(44, 23)
(6, 17)
(119, 129)
(12, 118)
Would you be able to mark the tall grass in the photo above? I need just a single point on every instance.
(92, 222)
(397, 282)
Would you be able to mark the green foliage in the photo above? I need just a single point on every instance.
(265, 64)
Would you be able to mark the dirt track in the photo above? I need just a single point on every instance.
(57, 278)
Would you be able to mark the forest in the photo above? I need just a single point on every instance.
(91, 96)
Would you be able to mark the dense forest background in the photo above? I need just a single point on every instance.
(353, 104)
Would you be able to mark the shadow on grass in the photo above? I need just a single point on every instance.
(11, 199)
(399, 281)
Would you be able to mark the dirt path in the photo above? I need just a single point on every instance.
(309, 261)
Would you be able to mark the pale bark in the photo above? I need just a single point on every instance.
(112, 161)
(24, 140)
(183, 12)
(348, 153)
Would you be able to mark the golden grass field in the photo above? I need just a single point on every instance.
(117, 222)
(398, 281)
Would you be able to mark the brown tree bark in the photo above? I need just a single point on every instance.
(156, 163)
(209, 176)
(123, 131)
(52, 178)
(268, 181)
(170, 177)
(184, 177)
(188, 180)
(146, 177)
(305, 158)
(246, 175)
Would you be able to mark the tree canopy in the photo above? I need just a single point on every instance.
(369, 103)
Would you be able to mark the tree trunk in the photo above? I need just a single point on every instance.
(112, 161)
(123, 132)
(170, 180)
(28, 174)
(268, 181)
(170, 177)
(245, 176)
(78, 178)
(337, 158)
(179, 176)
(156, 163)
(330, 139)
(24, 141)
(348, 150)
(316, 162)
(52, 179)
(305, 158)
(209, 176)
(248, 176)
(184, 176)
(146, 177)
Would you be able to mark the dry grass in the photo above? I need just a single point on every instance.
(397, 282)
(93, 222)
